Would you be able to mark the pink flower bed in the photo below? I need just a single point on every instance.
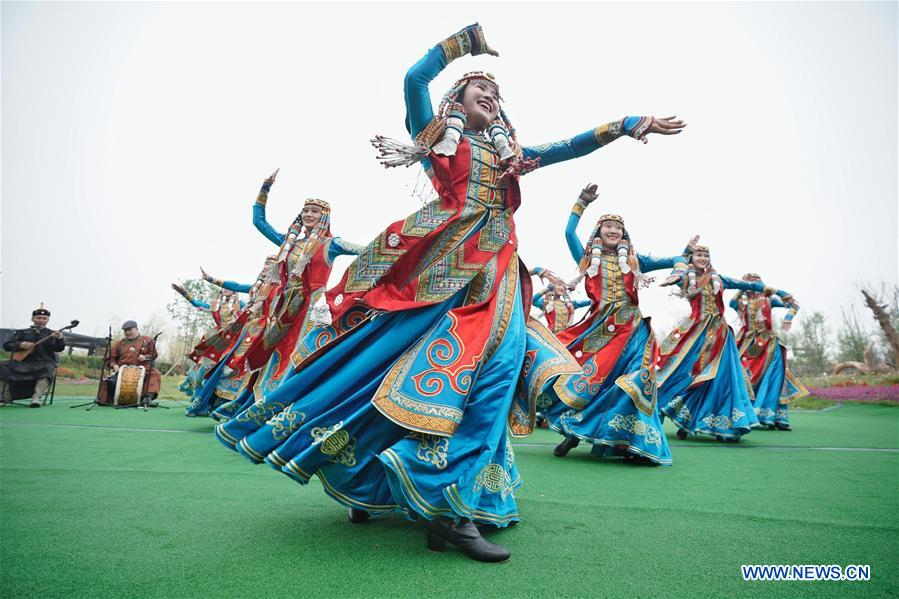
(860, 393)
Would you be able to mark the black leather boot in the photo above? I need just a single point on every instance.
(465, 536)
(681, 434)
(565, 446)
(358, 516)
(783, 426)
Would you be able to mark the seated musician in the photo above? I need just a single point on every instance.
(38, 368)
(133, 349)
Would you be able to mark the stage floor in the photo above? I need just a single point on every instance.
(115, 503)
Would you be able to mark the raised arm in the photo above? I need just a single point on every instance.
(735, 301)
(419, 110)
(259, 220)
(538, 299)
(586, 197)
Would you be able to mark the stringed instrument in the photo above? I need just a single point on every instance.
(20, 355)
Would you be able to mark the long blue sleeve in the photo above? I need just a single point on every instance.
(419, 110)
(538, 299)
(235, 287)
(574, 244)
(262, 225)
(583, 143)
(776, 302)
(651, 263)
(199, 304)
(341, 247)
(582, 303)
(731, 283)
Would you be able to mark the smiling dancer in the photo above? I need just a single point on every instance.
(434, 360)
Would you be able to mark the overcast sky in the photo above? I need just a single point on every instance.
(135, 137)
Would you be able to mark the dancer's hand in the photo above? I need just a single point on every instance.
(670, 280)
(589, 194)
(270, 181)
(786, 325)
(181, 290)
(669, 125)
(694, 241)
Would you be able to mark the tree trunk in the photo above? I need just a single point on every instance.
(883, 320)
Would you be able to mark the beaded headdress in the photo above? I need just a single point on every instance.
(40, 311)
(443, 133)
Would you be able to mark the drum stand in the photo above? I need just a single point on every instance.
(96, 400)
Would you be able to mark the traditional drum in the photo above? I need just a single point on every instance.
(129, 385)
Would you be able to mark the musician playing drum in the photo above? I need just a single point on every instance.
(134, 349)
(38, 366)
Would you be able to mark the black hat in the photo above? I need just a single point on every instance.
(41, 311)
(129, 324)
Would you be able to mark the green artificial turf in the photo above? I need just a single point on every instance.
(127, 503)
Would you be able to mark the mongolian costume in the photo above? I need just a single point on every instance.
(139, 351)
(615, 346)
(224, 310)
(702, 385)
(218, 393)
(557, 307)
(764, 355)
(32, 375)
(430, 359)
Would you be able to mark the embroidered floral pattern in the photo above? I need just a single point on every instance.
(632, 424)
(432, 449)
(722, 421)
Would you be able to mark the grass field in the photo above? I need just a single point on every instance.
(126, 503)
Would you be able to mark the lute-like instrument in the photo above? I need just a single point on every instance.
(21, 354)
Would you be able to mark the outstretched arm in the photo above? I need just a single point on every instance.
(758, 286)
(735, 301)
(538, 299)
(342, 247)
(651, 263)
(189, 297)
(580, 145)
(229, 285)
(581, 303)
(259, 220)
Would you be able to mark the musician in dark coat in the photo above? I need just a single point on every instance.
(38, 366)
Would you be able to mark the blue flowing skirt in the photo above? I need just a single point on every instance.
(611, 421)
(322, 422)
(768, 408)
(721, 406)
(204, 399)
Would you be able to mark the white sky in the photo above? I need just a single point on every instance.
(135, 137)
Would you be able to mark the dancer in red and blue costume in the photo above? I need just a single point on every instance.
(224, 310)
(703, 387)
(433, 360)
(555, 303)
(764, 355)
(615, 346)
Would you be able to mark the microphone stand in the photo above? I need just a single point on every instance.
(106, 355)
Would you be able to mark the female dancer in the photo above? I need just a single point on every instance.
(702, 385)
(764, 355)
(557, 306)
(224, 310)
(615, 346)
(433, 359)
